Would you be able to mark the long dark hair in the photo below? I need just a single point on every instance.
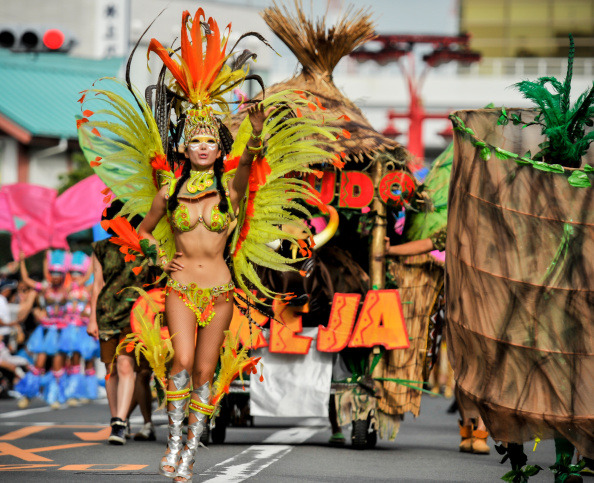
(226, 144)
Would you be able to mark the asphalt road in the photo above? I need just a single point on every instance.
(69, 444)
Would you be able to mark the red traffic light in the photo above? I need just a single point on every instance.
(53, 39)
(35, 38)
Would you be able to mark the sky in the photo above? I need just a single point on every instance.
(390, 16)
(402, 16)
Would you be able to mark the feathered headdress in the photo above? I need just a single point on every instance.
(57, 261)
(79, 262)
(202, 75)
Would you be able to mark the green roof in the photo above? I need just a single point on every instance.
(39, 92)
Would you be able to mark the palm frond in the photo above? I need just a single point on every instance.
(562, 124)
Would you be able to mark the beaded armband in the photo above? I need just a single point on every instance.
(257, 148)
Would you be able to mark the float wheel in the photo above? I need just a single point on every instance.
(359, 434)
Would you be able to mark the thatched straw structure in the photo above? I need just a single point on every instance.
(318, 50)
(420, 280)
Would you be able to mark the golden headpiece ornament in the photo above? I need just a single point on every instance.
(201, 121)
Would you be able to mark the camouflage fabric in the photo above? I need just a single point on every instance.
(439, 239)
(520, 287)
(113, 303)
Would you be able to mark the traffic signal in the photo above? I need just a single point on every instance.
(35, 38)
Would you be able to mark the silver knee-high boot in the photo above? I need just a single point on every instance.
(200, 408)
(178, 400)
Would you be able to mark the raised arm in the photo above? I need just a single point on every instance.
(26, 306)
(46, 273)
(25, 275)
(254, 147)
(416, 247)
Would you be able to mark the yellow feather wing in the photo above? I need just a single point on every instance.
(293, 146)
(121, 142)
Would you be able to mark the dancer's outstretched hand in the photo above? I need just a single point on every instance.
(257, 116)
(174, 265)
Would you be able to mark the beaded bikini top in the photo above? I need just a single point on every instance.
(181, 219)
(200, 184)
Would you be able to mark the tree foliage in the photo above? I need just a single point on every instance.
(80, 171)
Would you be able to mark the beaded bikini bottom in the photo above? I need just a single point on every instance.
(200, 300)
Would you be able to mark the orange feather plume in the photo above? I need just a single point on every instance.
(196, 70)
(127, 237)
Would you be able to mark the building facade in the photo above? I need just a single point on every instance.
(518, 39)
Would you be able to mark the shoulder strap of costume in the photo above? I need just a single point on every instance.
(172, 186)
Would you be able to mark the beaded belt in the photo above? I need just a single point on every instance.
(200, 300)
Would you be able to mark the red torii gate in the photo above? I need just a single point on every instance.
(394, 48)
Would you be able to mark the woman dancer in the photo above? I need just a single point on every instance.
(201, 206)
(82, 386)
(111, 305)
(187, 220)
(45, 339)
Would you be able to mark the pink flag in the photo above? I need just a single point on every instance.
(6, 221)
(39, 220)
(31, 211)
(78, 208)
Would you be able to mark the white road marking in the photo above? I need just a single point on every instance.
(254, 459)
(24, 412)
(43, 409)
(73, 424)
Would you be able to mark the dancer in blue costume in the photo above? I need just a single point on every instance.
(44, 341)
(82, 381)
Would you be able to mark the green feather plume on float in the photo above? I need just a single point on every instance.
(562, 124)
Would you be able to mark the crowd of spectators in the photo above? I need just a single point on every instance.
(17, 323)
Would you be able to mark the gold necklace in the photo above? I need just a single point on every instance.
(200, 180)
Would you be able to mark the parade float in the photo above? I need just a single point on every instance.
(349, 310)
(519, 266)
